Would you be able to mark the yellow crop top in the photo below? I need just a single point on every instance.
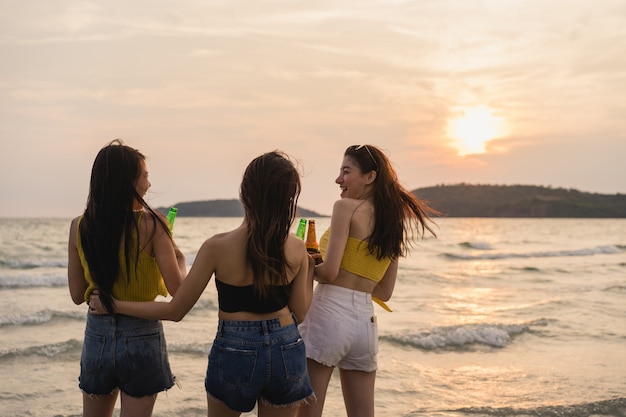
(145, 282)
(357, 259)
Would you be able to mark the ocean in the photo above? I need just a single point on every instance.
(494, 317)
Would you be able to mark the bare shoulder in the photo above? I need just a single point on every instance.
(295, 244)
(74, 225)
(75, 221)
(224, 254)
(346, 208)
(346, 205)
(219, 242)
(148, 227)
(74, 230)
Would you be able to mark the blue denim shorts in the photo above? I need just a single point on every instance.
(126, 353)
(258, 360)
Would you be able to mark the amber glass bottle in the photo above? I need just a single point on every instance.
(311, 240)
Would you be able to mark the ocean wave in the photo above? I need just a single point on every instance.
(618, 288)
(40, 317)
(51, 279)
(527, 269)
(613, 407)
(463, 336)
(50, 350)
(597, 250)
(13, 263)
(476, 245)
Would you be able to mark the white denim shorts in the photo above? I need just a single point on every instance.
(340, 329)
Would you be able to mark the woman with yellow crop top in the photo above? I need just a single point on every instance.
(264, 280)
(122, 248)
(370, 229)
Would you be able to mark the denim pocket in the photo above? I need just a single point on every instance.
(144, 353)
(294, 360)
(236, 366)
(91, 357)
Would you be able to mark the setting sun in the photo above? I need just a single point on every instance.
(473, 128)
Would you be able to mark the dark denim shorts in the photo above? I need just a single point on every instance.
(258, 360)
(126, 353)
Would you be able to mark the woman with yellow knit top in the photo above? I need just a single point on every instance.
(371, 228)
(122, 248)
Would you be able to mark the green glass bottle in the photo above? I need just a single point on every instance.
(301, 229)
(171, 216)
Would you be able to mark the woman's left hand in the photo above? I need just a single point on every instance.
(95, 305)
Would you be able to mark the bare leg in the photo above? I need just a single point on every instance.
(320, 377)
(99, 405)
(137, 406)
(358, 392)
(219, 409)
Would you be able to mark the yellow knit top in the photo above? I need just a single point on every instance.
(357, 259)
(145, 281)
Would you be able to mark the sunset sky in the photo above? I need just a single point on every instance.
(485, 92)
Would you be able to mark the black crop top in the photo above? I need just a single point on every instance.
(233, 298)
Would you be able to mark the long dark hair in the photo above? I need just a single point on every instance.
(109, 220)
(398, 214)
(269, 194)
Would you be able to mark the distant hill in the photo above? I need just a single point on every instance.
(465, 200)
(220, 208)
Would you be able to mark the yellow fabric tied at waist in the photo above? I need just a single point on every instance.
(381, 303)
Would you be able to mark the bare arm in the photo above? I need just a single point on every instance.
(170, 259)
(187, 295)
(302, 291)
(327, 271)
(75, 275)
(384, 288)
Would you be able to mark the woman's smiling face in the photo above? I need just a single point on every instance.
(351, 180)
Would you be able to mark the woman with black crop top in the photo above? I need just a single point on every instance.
(264, 290)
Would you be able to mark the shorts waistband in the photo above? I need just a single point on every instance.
(348, 294)
(262, 326)
(121, 324)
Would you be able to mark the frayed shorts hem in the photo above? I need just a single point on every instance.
(305, 401)
(117, 390)
(311, 356)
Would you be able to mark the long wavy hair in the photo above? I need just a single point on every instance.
(109, 219)
(399, 216)
(269, 194)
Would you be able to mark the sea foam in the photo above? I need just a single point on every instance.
(463, 336)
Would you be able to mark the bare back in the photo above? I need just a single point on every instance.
(228, 251)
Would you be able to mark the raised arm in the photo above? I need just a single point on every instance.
(327, 271)
(170, 259)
